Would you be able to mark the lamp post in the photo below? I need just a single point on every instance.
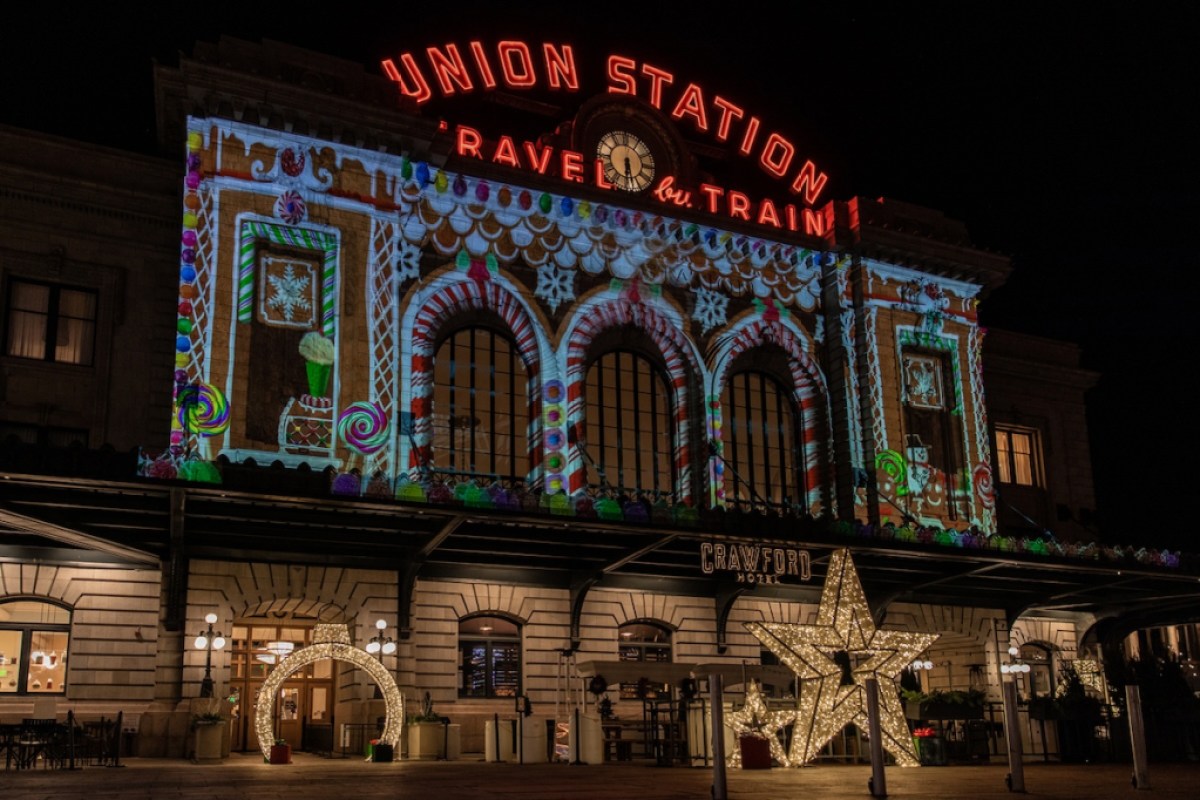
(380, 645)
(1012, 730)
(208, 641)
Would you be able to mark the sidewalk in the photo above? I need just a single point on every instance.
(311, 778)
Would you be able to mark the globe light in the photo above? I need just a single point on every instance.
(210, 618)
(380, 624)
(201, 642)
(373, 647)
(1013, 651)
(389, 648)
(218, 642)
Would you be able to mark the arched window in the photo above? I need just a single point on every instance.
(33, 647)
(761, 433)
(630, 432)
(489, 649)
(645, 642)
(480, 405)
(1040, 659)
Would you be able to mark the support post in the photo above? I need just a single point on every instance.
(1137, 736)
(878, 784)
(1012, 734)
(720, 791)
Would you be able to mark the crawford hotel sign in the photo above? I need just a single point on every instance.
(620, 158)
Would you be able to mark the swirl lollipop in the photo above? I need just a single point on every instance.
(363, 427)
(894, 466)
(203, 409)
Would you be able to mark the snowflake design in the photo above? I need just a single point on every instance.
(555, 285)
(710, 309)
(288, 292)
(408, 261)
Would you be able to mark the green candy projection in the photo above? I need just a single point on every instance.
(896, 468)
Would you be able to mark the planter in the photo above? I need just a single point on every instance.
(210, 741)
(931, 750)
(429, 741)
(756, 752)
(281, 754)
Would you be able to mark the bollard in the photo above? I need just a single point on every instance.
(1137, 736)
(720, 791)
(1012, 733)
(878, 784)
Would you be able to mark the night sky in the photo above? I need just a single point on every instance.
(1064, 137)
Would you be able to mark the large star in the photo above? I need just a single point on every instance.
(755, 718)
(832, 660)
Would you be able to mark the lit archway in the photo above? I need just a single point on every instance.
(329, 641)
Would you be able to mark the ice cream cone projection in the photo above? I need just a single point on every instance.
(318, 356)
(364, 427)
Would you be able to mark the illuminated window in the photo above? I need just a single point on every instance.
(630, 433)
(761, 442)
(480, 405)
(33, 647)
(489, 649)
(1018, 456)
(48, 322)
(644, 642)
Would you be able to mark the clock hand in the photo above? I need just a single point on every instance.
(628, 172)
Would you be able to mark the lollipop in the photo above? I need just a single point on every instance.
(203, 410)
(363, 427)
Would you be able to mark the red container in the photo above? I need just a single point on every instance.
(756, 752)
(281, 754)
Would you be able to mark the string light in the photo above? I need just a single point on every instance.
(833, 658)
(329, 641)
(755, 718)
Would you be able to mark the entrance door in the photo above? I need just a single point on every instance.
(306, 696)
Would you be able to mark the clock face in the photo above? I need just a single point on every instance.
(628, 162)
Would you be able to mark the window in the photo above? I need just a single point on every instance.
(51, 323)
(43, 435)
(644, 642)
(33, 647)
(630, 435)
(480, 405)
(761, 443)
(1018, 456)
(489, 651)
(932, 435)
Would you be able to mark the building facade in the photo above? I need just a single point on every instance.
(545, 406)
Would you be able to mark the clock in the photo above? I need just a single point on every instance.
(627, 161)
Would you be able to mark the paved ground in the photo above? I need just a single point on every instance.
(311, 778)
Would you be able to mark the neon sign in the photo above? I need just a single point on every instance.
(449, 70)
(572, 166)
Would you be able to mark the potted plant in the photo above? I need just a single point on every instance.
(281, 752)
(952, 704)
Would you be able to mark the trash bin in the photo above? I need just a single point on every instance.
(756, 752)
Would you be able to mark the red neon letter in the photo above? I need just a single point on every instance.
(467, 141)
(739, 206)
(748, 139)
(691, 104)
(572, 166)
(560, 65)
(789, 212)
(420, 90)
(620, 75)
(449, 67)
(538, 161)
(506, 152)
(601, 181)
(777, 155)
(729, 112)
(523, 77)
(657, 78)
(809, 178)
(712, 194)
(767, 214)
(485, 69)
(814, 223)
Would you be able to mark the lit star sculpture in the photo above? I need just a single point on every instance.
(755, 718)
(833, 658)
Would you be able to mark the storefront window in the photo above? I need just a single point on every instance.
(489, 657)
(33, 647)
(646, 642)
